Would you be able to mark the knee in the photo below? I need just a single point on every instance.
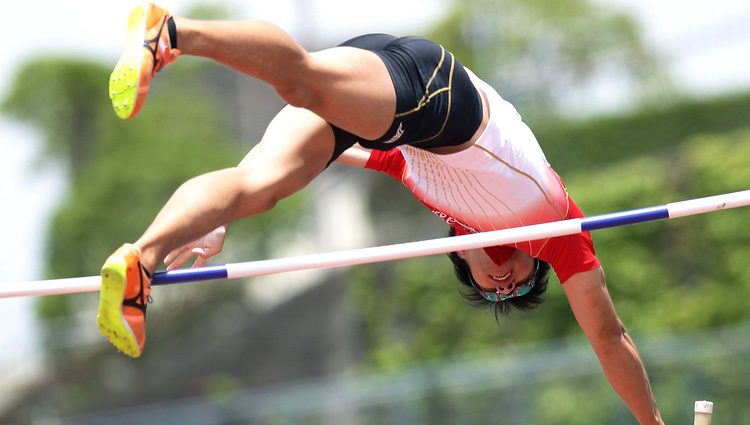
(253, 194)
(298, 88)
(298, 95)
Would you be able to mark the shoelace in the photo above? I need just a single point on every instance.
(158, 65)
(140, 301)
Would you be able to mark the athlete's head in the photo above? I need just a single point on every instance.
(517, 282)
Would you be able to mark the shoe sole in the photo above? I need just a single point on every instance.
(109, 318)
(124, 82)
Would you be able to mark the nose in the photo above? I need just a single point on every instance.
(506, 290)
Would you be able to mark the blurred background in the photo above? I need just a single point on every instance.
(635, 103)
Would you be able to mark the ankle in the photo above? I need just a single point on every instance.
(149, 258)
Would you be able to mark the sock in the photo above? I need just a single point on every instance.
(172, 30)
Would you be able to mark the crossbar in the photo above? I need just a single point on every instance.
(397, 251)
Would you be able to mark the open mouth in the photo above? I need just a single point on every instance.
(501, 278)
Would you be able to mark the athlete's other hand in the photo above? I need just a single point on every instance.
(203, 248)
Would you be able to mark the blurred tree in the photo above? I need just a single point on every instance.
(539, 55)
(610, 163)
(122, 172)
(682, 275)
(597, 142)
(54, 96)
(546, 57)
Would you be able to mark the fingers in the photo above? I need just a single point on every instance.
(199, 262)
(179, 259)
(171, 256)
(203, 248)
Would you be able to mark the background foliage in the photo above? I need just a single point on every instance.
(687, 275)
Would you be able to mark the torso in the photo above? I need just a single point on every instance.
(447, 150)
(499, 179)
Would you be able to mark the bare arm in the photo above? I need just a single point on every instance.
(592, 306)
(355, 156)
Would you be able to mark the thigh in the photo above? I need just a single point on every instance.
(353, 90)
(393, 91)
(437, 104)
(295, 148)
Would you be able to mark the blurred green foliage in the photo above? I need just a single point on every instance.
(597, 142)
(680, 276)
(663, 276)
(54, 96)
(121, 173)
(650, 156)
(135, 167)
(687, 274)
(539, 52)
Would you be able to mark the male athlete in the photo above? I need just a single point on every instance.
(403, 106)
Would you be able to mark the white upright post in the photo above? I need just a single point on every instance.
(703, 411)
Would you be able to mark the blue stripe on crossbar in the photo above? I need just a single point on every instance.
(189, 275)
(623, 218)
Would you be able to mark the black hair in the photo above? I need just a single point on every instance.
(526, 302)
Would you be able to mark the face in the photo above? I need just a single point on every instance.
(503, 278)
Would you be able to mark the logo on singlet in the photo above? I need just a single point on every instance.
(399, 133)
(450, 220)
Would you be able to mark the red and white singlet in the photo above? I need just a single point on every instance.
(502, 181)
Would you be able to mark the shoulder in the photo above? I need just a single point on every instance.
(571, 254)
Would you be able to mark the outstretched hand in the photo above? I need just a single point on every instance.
(204, 248)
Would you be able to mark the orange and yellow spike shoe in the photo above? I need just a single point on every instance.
(125, 291)
(148, 51)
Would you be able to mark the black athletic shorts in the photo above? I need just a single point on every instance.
(436, 102)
